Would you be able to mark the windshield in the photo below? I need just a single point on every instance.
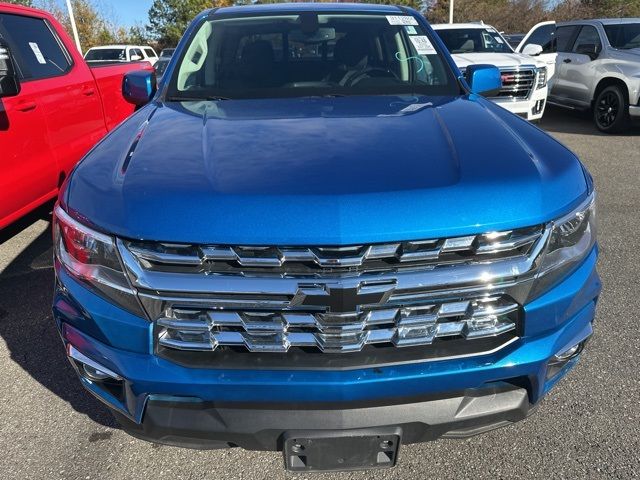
(308, 55)
(117, 54)
(473, 40)
(167, 52)
(161, 66)
(623, 36)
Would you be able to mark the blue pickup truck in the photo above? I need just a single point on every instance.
(317, 237)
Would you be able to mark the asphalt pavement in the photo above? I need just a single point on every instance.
(587, 428)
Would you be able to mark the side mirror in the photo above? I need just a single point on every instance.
(136, 58)
(484, 79)
(532, 49)
(9, 83)
(139, 87)
(590, 49)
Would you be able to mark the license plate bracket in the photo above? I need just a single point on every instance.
(340, 452)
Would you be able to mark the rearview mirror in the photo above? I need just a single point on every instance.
(532, 49)
(484, 79)
(324, 34)
(9, 83)
(139, 87)
(590, 49)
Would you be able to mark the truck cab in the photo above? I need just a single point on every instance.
(597, 67)
(53, 108)
(121, 53)
(524, 79)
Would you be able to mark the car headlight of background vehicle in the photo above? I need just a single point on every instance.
(572, 238)
(542, 77)
(92, 258)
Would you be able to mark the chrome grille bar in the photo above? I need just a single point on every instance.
(336, 333)
(335, 299)
(517, 83)
(310, 260)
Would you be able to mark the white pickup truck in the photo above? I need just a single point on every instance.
(597, 67)
(524, 78)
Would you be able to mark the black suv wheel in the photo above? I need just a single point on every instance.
(611, 110)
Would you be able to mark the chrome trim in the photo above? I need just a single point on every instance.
(338, 333)
(77, 355)
(245, 260)
(526, 77)
(405, 304)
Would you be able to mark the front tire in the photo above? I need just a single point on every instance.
(611, 110)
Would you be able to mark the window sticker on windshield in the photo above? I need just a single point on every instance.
(36, 51)
(411, 30)
(401, 20)
(422, 44)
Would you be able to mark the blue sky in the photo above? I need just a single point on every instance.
(129, 12)
(126, 12)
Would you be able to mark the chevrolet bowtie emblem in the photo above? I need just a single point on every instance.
(336, 298)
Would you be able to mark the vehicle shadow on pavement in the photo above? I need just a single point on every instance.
(561, 120)
(28, 328)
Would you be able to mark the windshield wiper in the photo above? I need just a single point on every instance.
(183, 98)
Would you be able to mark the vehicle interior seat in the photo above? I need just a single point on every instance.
(467, 46)
(258, 66)
(351, 54)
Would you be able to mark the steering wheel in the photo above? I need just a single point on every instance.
(373, 72)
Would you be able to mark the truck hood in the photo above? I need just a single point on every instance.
(500, 60)
(322, 171)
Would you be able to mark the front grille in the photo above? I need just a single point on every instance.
(194, 329)
(434, 298)
(517, 83)
(355, 258)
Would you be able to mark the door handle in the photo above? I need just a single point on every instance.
(88, 92)
(566, 60)
(26, 106)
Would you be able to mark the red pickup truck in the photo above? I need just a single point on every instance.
(53, 107)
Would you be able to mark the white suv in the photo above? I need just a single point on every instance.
(524, 79)
(121, 53)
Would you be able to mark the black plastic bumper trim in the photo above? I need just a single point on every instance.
(205, 425)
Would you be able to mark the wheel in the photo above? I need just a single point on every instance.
(611, 110)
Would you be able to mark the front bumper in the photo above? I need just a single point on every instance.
(162, 401)
(198, 424)
(531, 108)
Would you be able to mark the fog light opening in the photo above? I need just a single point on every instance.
(562, 358)
(569, 353)
(90, 368)
(94, 373)
(98, 375)
(537, 108)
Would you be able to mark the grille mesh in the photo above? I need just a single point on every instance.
(517, 83)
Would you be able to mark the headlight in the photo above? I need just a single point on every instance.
(572, 239)
(542, 77)
(92, 258)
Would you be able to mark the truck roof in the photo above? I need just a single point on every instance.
(104, 47)
(446, 26)
(603, 21)
(314, 7)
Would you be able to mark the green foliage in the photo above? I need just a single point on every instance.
(26, 3)
(505, 15)
(168, 19)
(520, 15)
